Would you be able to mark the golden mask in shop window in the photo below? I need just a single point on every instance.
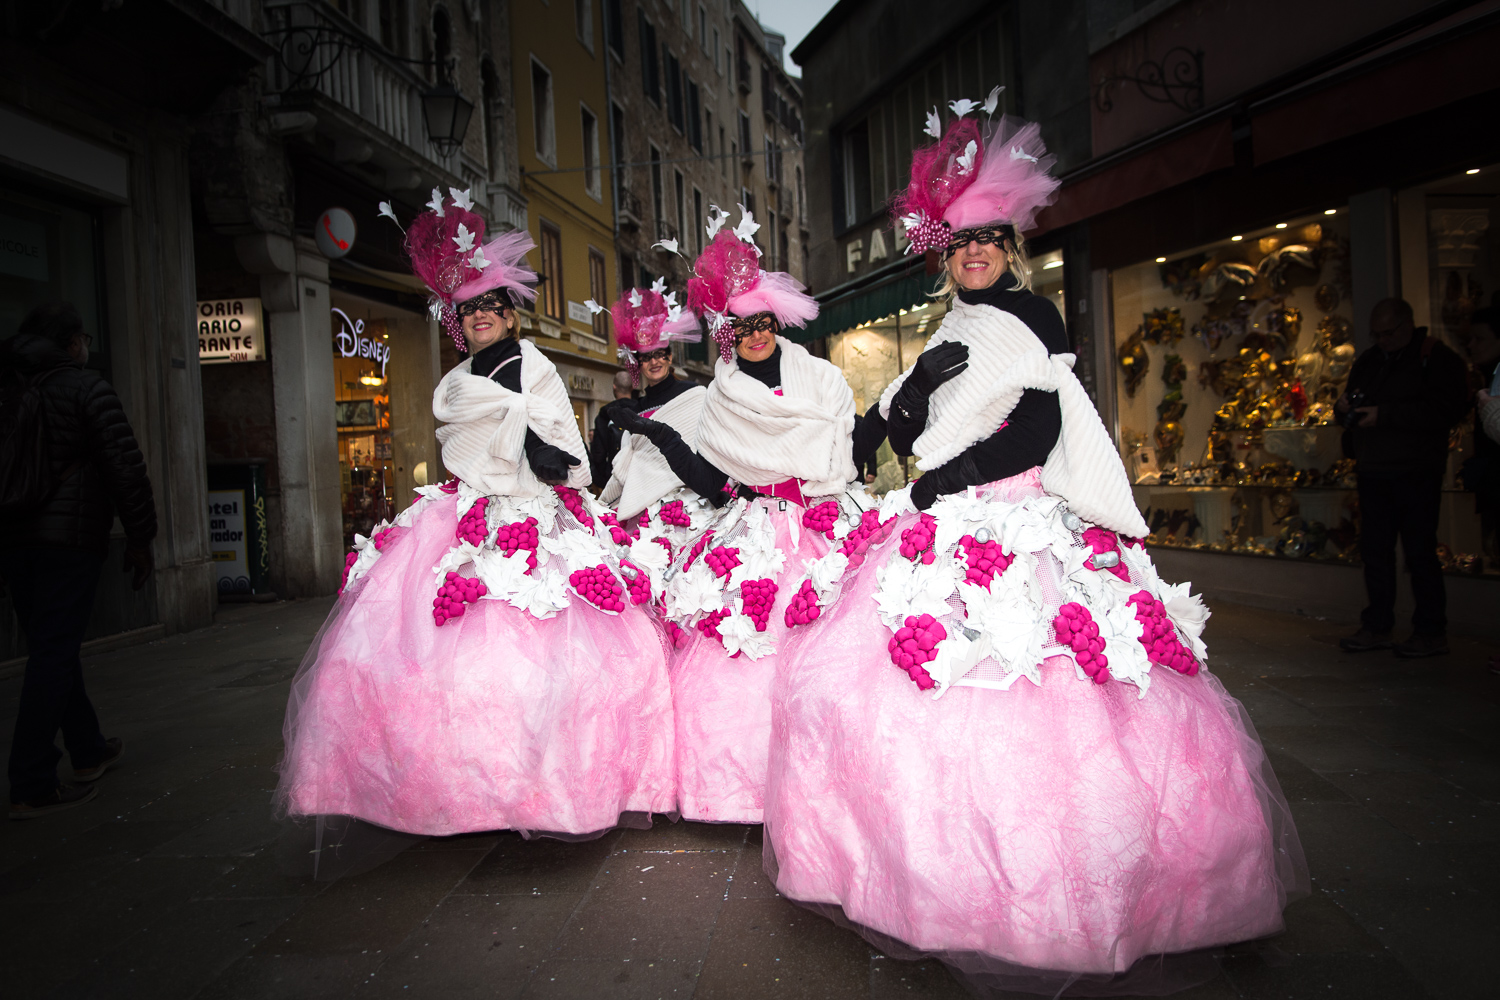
(1134, 361)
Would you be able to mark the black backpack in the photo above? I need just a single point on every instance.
(26, 477)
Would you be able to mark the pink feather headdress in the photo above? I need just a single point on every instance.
(727, 281)
(995, 174)
(647, 320)
(447, 251)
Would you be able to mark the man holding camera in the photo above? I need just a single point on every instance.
(1404, 397)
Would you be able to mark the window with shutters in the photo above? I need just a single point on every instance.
(694, 117)
(650, 69)
(674, 90)
(597, 281)
(552, 288)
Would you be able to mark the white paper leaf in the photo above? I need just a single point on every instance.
(716, 219)
(461, 198)
(740, 636)
(748, 227)
(436, 204)
(934, 124)
(386, 210)
(670, 246)
(1017, 153)
(966, 161)
(993, 101)
(963, 106)
(478, 261)
(659, 286)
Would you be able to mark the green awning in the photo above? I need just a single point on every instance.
(843, 310)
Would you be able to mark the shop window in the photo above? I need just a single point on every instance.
(552, 270)
(1227, 361)
(854, 175)
(541, 113)
(650, 68)
(598, 284)
(362, 419)
(49, 251)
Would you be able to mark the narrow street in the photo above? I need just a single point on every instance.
(167, 884)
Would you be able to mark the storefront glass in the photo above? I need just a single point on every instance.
(49, 252)
(1227, 362)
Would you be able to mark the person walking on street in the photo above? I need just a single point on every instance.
(71, 463)
(1404, 396)
(605, 444)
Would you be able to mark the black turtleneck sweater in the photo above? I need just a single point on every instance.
(662, 393)
(1033, 426)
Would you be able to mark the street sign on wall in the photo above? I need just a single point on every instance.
(230, 330)
(335, 232)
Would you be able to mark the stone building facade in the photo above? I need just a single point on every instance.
(702, 114)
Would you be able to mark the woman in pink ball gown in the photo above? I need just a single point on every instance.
(1017, 763)
(778, 433)
(483, 668)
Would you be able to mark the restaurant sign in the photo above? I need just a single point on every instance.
(230, 330)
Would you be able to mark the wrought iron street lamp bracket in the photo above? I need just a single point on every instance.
(1176, 79)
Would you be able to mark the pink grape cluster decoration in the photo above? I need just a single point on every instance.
(722, 560)
(381, 537)
(518, 535)
(664, 544)
(804, 606)
(598, 586)
(916, 541)
(574, 503)
(1159, 637)
(455, 592)
(472, 527)
(1077, 630)
(677, 634)
(758, 597)
(640, 586)
(674, 513)
(349, 562)
(709, 624)
(869, 532)
(987, 560)
(697, 550)
(1103, 540)
(914, 644)
(617, 532)
(822, 518)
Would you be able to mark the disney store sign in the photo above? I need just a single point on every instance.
(350, 341)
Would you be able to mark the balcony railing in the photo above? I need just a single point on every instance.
(322, 52)
(631, 210)
(665, 230)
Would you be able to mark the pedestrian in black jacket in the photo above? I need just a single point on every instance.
(51, 555)
(605, 444)
(1405, 395)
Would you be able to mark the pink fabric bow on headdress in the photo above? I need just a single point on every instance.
(648, 320)
(727, 281)
(995, 174)
(447, 251)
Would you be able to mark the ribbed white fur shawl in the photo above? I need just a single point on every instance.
(1005, 359)
(484, 426)
(760, 438)
(641, 474)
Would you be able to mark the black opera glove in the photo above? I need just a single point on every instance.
(954, 477)
(551, 464)
(933, 368)
(626, 418)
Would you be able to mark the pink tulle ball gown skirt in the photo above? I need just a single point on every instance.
(494, 720)
(722, 701)
(1048, 834)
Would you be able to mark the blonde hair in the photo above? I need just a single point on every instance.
(1018, 262)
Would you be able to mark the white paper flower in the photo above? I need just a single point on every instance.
(436, 204)
(993, 101)
(461, 198)
(659, 286)
(464, 239)
(965, 162)
(578, 548)
(635, 298)
(716, 219)
(694, 591)
(388, 212)
(670, 246)
(825, 573)
(934, 124)
(748, 227)
(908, 588)
(896, 503)
(740, 636)
(1188, 613)
(1121, 632)
(593, 307)
(477, 261)
(963, 106)
(956, 656)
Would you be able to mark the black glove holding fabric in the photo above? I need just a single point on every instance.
(550, 463)
(696, 472)
(625, 417)
(909, 408)
(956, 476)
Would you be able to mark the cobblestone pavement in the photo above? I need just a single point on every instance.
(167, 884)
